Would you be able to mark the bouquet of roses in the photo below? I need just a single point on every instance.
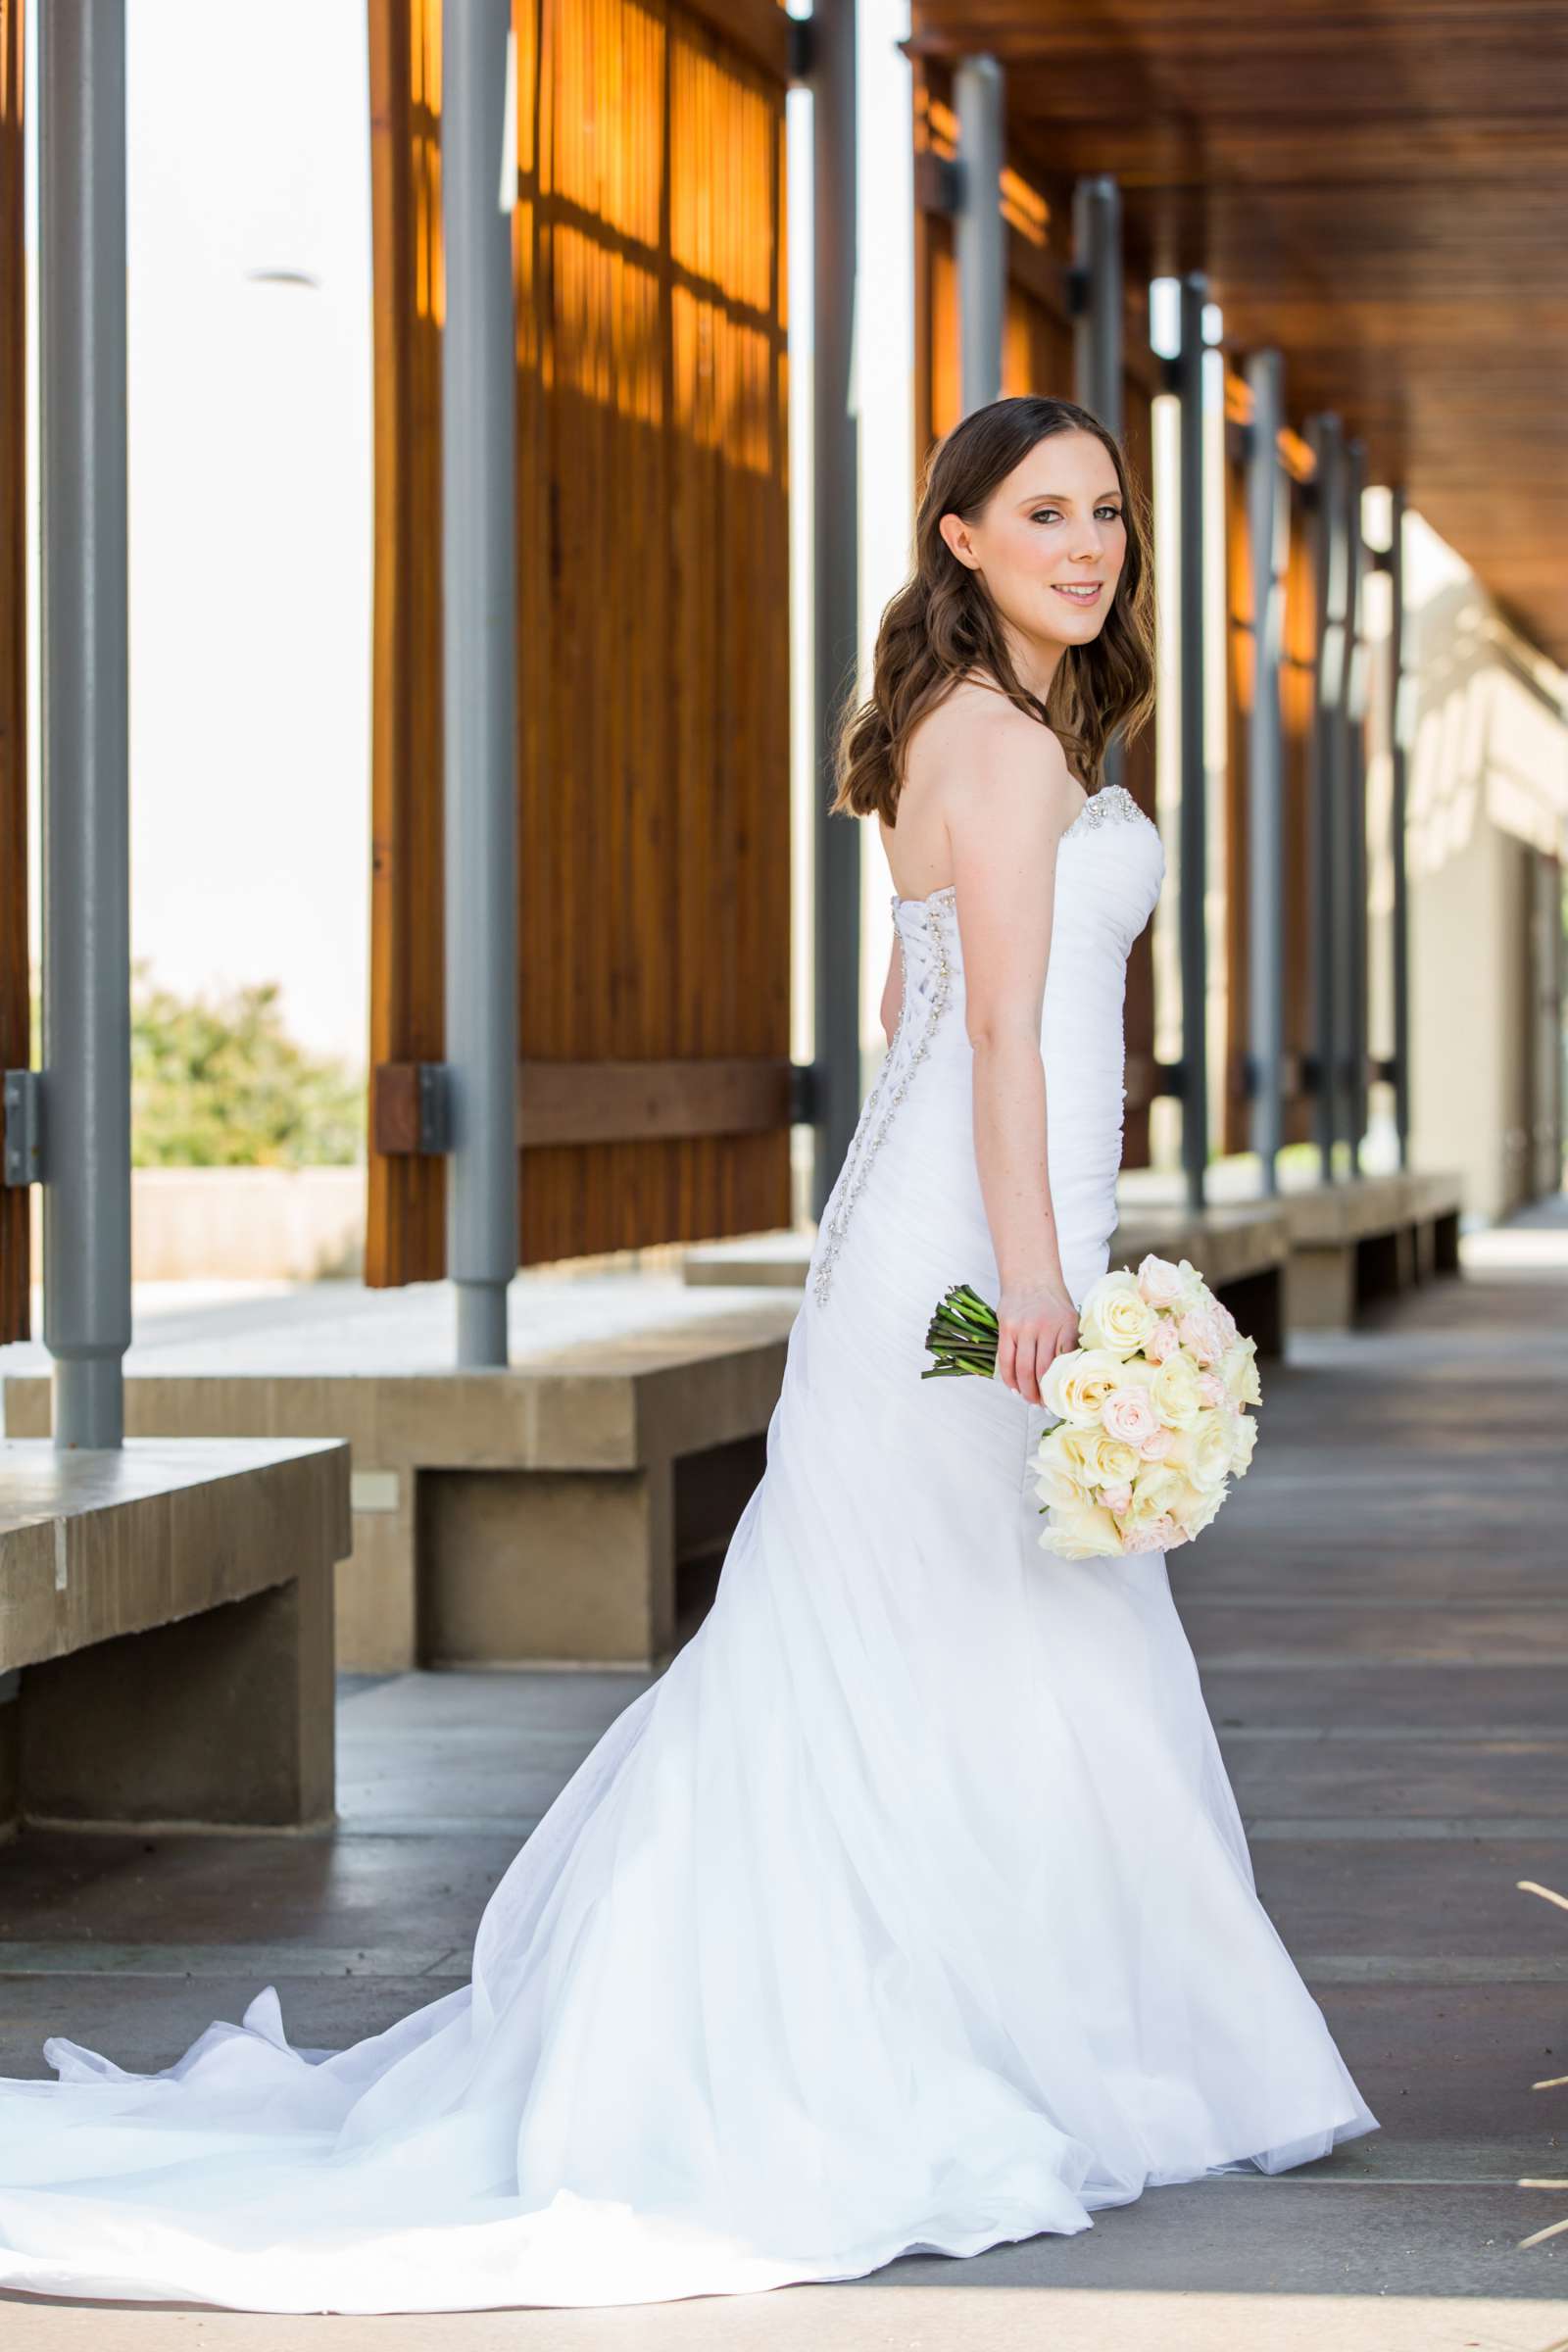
(1148, 1409)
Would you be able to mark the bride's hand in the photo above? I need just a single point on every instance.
(1036, 1321)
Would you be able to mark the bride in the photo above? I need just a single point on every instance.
(911, 1907)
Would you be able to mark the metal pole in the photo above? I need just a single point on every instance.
(1268, 528)
(86, 799)
(979, 233)
(478, 373)
(1098, 331)
(1097, 342)
(1329, 567)
(836, 568)
(1192, 830)
(1401, 691)
(1353, 826)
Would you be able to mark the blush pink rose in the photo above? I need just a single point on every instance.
(1158, 1443)
(1162, 1341)
(1116, 1498)
(1210, 1389)
(1161, 1283)
(1159, 1535)
(1128, 1414)
(1202, 1336)
(1230, 1328)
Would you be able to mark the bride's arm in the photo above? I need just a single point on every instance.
(1005, 817)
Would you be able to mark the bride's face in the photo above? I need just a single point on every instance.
(1051, 540)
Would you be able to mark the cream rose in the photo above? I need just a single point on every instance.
(1237, 1370)
(1068, 1453)
(1155, 1492)
(1244, 1437)
(1115, 1314)
(1161, 1283)
(1081, 1532)
(1077, 1384)
(1196, 1506)
(1204, 1452)
(1175, 1393)
(1109, 1459)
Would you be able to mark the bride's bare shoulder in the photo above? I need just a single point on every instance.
(976, 747)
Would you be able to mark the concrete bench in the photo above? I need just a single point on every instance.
(1241, 1248)
(166, 1632)
(1366, 1238)
(573, 1508)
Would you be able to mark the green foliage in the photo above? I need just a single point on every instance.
(219, 1083)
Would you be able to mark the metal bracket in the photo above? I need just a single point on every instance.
(23, 1097)
(801, 38)
(804, 1092)
(937, 184)
(435, 1106)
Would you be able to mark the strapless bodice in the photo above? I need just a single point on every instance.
(1111, 863)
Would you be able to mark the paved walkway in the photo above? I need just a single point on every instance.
(1381, 1614)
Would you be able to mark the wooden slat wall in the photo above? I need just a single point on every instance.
(1037, 357)
(405, 1219)
(653, 631)
(15, 994)
(653, 610)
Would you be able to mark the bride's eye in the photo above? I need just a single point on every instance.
(1113, 511)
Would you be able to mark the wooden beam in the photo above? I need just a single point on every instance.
(608, 1101)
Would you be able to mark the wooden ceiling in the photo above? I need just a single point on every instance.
(1379, 187)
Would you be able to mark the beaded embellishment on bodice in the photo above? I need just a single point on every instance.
(925, 999)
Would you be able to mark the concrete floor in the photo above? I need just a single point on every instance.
(1384, 1651)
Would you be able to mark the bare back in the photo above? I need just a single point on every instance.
(942, 750)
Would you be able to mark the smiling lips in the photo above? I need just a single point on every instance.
(1083, 594)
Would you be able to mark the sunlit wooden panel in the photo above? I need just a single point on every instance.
(405, 1209)
(15, 994)
(653, 618)
(653, 580)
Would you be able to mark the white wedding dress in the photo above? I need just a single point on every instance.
(909, 1909)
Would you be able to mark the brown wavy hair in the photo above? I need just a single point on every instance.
(944, 625)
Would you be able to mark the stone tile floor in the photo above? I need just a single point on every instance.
(1384, 1641)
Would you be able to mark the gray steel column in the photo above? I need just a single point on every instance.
(1269, 514)
(1401, 691)
(86, 813)
(979, 232)
(1328, 737)
(1098, 331)
(1352, 833)
(835, 580)
(1193, 829)
(478, 378)
(1096, 336)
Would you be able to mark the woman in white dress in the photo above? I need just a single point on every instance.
(911, 1908)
